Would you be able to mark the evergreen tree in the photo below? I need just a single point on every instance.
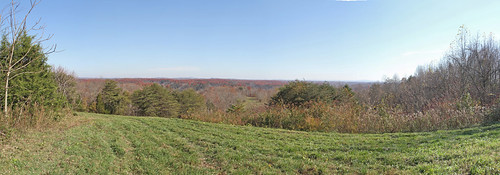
(99, 105)
(155, 100)
(189, 101)
(111, 99)
(32, 81)
(299, 92)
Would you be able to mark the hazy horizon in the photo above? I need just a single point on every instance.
(195, 78)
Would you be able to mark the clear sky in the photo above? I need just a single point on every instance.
(258, 39)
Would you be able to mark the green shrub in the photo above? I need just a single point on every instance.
(299, 92)
(190, 101)
(157, 101)
(112, 99)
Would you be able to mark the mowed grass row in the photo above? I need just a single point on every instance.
(105, 144)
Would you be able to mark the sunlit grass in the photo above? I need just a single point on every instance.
(101, 144)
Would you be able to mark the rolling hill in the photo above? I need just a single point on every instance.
(104, 144)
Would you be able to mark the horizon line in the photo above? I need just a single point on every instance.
(193, 78)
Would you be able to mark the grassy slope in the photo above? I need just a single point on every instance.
(100, 144)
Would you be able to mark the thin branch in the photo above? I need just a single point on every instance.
(22, 58)
(22, 73)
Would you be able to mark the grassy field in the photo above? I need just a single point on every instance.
(104, 144)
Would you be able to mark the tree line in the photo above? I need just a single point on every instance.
(469, 71)
(461, 91)
(153, 100)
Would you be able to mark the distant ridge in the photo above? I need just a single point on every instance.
(201, 83)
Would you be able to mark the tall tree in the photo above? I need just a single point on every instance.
(190, 101)
(156, 100)
(19, 50)
(111, 99)
(66, 85)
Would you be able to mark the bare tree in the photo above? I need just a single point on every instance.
(477, 61)
(15, 28)
(66, 84)
(470, 68)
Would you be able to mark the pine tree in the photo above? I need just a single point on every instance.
(23, 67)
(31, 81)
(111, 99)
(156, 100)
(189, 101)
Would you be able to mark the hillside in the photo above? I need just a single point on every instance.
(100, 144)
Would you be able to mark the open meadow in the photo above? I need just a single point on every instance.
(104, 144)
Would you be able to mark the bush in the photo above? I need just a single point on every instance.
(494, 115)
(155, 100)
(236, 108)
(190, 101)
(299, 92)
(112, 99)
(33, 99)
(350, 117)
(30, 115)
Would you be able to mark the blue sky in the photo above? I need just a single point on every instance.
(257, 39)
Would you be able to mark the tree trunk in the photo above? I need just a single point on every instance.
(5, 112)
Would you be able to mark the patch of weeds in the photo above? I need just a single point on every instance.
(117, 150)
(17, 163)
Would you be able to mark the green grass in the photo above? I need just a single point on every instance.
(106, 144)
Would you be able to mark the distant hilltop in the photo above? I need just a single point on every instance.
(200, 83)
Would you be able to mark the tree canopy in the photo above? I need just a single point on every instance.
(31, 80)
(155, 100)
(299, 92)
(112, 99)
(190, 101)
